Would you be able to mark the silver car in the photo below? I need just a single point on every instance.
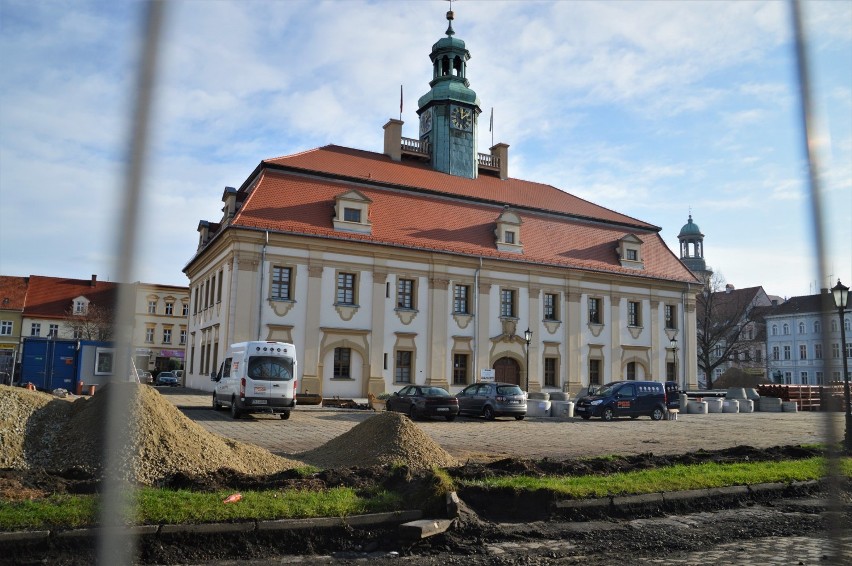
(493, 400)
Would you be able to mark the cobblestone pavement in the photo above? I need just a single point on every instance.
(534, 437)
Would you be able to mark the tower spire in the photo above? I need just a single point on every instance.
(450, 17)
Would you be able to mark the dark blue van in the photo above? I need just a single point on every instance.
(624, 399)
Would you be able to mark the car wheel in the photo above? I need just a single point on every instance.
(412, 413)
(285, 415)
(657, 414)
(235, 412)
(607, 414)
(216, 405)
(488, 413)
(585, 417)
(450, 418)
(519, 417)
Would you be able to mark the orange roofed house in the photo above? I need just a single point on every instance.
(82, 309)
(427, 263)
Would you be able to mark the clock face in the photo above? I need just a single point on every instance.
(460, 118)
(426, 122)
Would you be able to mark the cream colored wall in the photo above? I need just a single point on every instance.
(315, 325)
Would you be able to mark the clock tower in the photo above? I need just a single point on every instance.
(449, 112)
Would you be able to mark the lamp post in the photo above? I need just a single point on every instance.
(841, 295)
(674, 360)
(528, 338)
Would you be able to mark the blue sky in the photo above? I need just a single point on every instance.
(649, 108)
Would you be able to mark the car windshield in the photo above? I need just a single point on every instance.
(509, 390)
(167, 374)
(605, 391)
(270, 368)
(435, 392)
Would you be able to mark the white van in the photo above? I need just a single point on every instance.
(257, 377)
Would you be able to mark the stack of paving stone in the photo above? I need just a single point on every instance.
(769, 405)
(560, 406)
(789, 407)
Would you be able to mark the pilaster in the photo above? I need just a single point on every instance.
(439, 310)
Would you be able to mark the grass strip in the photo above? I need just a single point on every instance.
(670, 478)
(159, 506)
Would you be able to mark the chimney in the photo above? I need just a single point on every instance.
(229, 197)
(393, 139)
(94, 282)
(501, 152)
(729, 288)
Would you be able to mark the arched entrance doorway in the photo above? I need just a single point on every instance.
(507, 370)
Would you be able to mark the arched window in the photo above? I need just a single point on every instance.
(846, 324)
(775, 330)
(445, 66)
(833, 325)
(801, 328)
(786, 329)
(457, 66)
(817, 327)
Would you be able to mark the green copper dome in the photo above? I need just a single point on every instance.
(690, 229)
(449, 90)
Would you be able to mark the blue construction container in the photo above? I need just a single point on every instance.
(49, 363)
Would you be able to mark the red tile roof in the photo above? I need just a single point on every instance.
(368, 166)
(13, 292)
(51, 297)
(299, 204)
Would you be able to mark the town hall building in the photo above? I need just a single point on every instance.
(428, 263)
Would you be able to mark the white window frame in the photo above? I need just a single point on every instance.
(104, 360)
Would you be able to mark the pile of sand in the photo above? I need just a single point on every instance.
(38, 430)
(387, 438)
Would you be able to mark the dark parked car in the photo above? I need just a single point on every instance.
(624, 399)
(493, 400)
(424, 401)
(167, 378)
(672, 396)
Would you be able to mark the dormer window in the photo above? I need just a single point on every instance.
(352, 212)
(630, 252)
(352, 215)
(80, 305)
(508, 232)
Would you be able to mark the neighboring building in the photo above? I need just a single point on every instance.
(13, 293)
(692, 250)
(160, 327)
(425, 264)
(803, 340)
(82, 309)
(736, 331)
(53, 302)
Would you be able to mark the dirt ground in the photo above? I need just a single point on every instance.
(391, 452)
(484, 519)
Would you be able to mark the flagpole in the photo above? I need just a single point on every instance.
(491, 126)
(400, 103)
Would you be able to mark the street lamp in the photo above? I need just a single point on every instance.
(841, 295)
(674, 359)
(528, 338)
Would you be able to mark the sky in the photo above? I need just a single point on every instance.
(653, 109)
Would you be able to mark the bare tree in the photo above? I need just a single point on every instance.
(93, 323)
(728, 326)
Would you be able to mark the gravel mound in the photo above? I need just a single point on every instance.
(40, 431)
(387, 438)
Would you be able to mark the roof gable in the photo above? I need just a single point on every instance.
(373, 167)
(300, 204)
(52, 297)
